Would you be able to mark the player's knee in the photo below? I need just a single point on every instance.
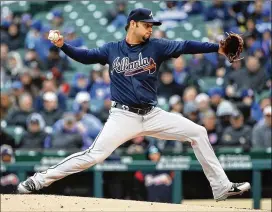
(99, 158)
(202, 131)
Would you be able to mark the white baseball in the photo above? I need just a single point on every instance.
(53, 36)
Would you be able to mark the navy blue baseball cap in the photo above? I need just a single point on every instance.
(144, 15)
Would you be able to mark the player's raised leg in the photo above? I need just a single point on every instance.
(170, 126)
(120, 127)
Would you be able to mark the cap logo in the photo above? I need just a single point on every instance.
(151, 15)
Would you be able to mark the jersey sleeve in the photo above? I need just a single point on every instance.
(87, 56)
(174, 49)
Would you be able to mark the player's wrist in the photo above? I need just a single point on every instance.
(62, 46)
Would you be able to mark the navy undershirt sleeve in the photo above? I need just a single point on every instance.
(176, 48)
(87, 56)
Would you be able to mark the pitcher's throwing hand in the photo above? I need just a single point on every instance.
(56, 38)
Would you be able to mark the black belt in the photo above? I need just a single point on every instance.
(139, 111)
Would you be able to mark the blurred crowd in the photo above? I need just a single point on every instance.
(53, 113)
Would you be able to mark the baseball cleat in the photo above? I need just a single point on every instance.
(26, 187)
(236, 188)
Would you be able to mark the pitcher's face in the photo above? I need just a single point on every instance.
(142, 30)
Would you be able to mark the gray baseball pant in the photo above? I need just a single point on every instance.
(122, 126)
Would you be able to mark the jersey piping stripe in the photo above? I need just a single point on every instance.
(88, 150)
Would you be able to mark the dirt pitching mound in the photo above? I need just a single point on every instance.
(12, 203)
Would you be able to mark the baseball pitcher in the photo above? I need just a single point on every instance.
(134, 63)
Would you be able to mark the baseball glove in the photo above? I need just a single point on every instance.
(232, 46)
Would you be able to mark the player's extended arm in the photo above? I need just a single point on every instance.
(85, 56)
(174, 49)
(195, 47)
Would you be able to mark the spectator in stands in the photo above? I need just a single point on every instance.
(202, 101)
(95, 75)
(4, 56)
(5, 105)
(216, 97)
(189, 94)
(68, 134)
(158, 183)
(208, 121)
(235, 66)
(55, 63)
(8, 180)
(26, 22)
(33, 35)
(256, 10)
(19, 116)
(7, 155)
(35, 69)
(251, 43)
(51, 112)
(117, 17)
(200, 66)
(103, 113)
(43, 44)
(266, 43)
(181, 72)
(159, 34)
(72, 38)
(64, 88)
(192, 7)
(88, 123)
(238, 12)
(17, 90)
(249, 107)
(49, 85)
(5, 80)
(220, 73)
(28, 85)
(7, 139)
(247, 104)
(168, 87)
(224, 112)
(176, 105)
(191, 112)
(252, 77)
(57, 20)
(15, 64)
(14, 40)
(4, 31)
(265, 99)
(101, 88)
(171, 14)
(32, 60)
(238, 134)
(35, 137)
(136, 145)
(80, 83)
(261, 135)
(84, 100)
(251, 29)
(218, 10)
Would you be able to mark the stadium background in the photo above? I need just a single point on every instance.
(41, 89)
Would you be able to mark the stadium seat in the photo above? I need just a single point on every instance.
(68, 76)
(206, 83)
(21, 53)
(15, 131)
(18, 7)
(96, 105)
(69, 103)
